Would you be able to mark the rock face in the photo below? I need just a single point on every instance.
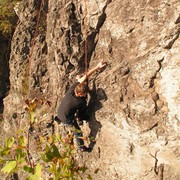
(134, 102)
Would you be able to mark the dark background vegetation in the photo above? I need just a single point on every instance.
(8, 21)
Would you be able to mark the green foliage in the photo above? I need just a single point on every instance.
(9, 167)
(22, 141)
(31, 107)
(5, 150)
(9, 142)
(8, 17)
(14, 154)
(61, 160)
(56, 156)
(37, 174)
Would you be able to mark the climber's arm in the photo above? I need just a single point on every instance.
(91, 71)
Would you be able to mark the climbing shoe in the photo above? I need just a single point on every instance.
(85, 118)
(57, 120)
(51, 124)
(54, 119)
(85, 149)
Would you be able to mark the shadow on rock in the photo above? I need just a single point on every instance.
(96, 95)
(1, 105)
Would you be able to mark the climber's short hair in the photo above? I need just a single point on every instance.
(82, 88)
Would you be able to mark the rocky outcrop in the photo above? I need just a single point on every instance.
(134, 102)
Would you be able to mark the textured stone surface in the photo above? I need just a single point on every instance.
(134, 102)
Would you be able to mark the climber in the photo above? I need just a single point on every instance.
(72, 108)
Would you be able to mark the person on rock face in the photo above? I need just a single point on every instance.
(73, 106)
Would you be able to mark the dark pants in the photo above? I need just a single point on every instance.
(77, 132)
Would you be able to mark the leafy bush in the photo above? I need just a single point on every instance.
(60, 159)
(56, 156)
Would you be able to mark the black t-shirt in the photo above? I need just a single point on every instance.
(71, 104)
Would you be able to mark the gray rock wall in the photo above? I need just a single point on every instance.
(134, 102)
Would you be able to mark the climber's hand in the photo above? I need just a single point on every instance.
(101, 65)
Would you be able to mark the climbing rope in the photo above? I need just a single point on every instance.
(33, 43)
(31, 162)
(85, 37)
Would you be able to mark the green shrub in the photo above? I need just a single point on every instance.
(55, 155)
